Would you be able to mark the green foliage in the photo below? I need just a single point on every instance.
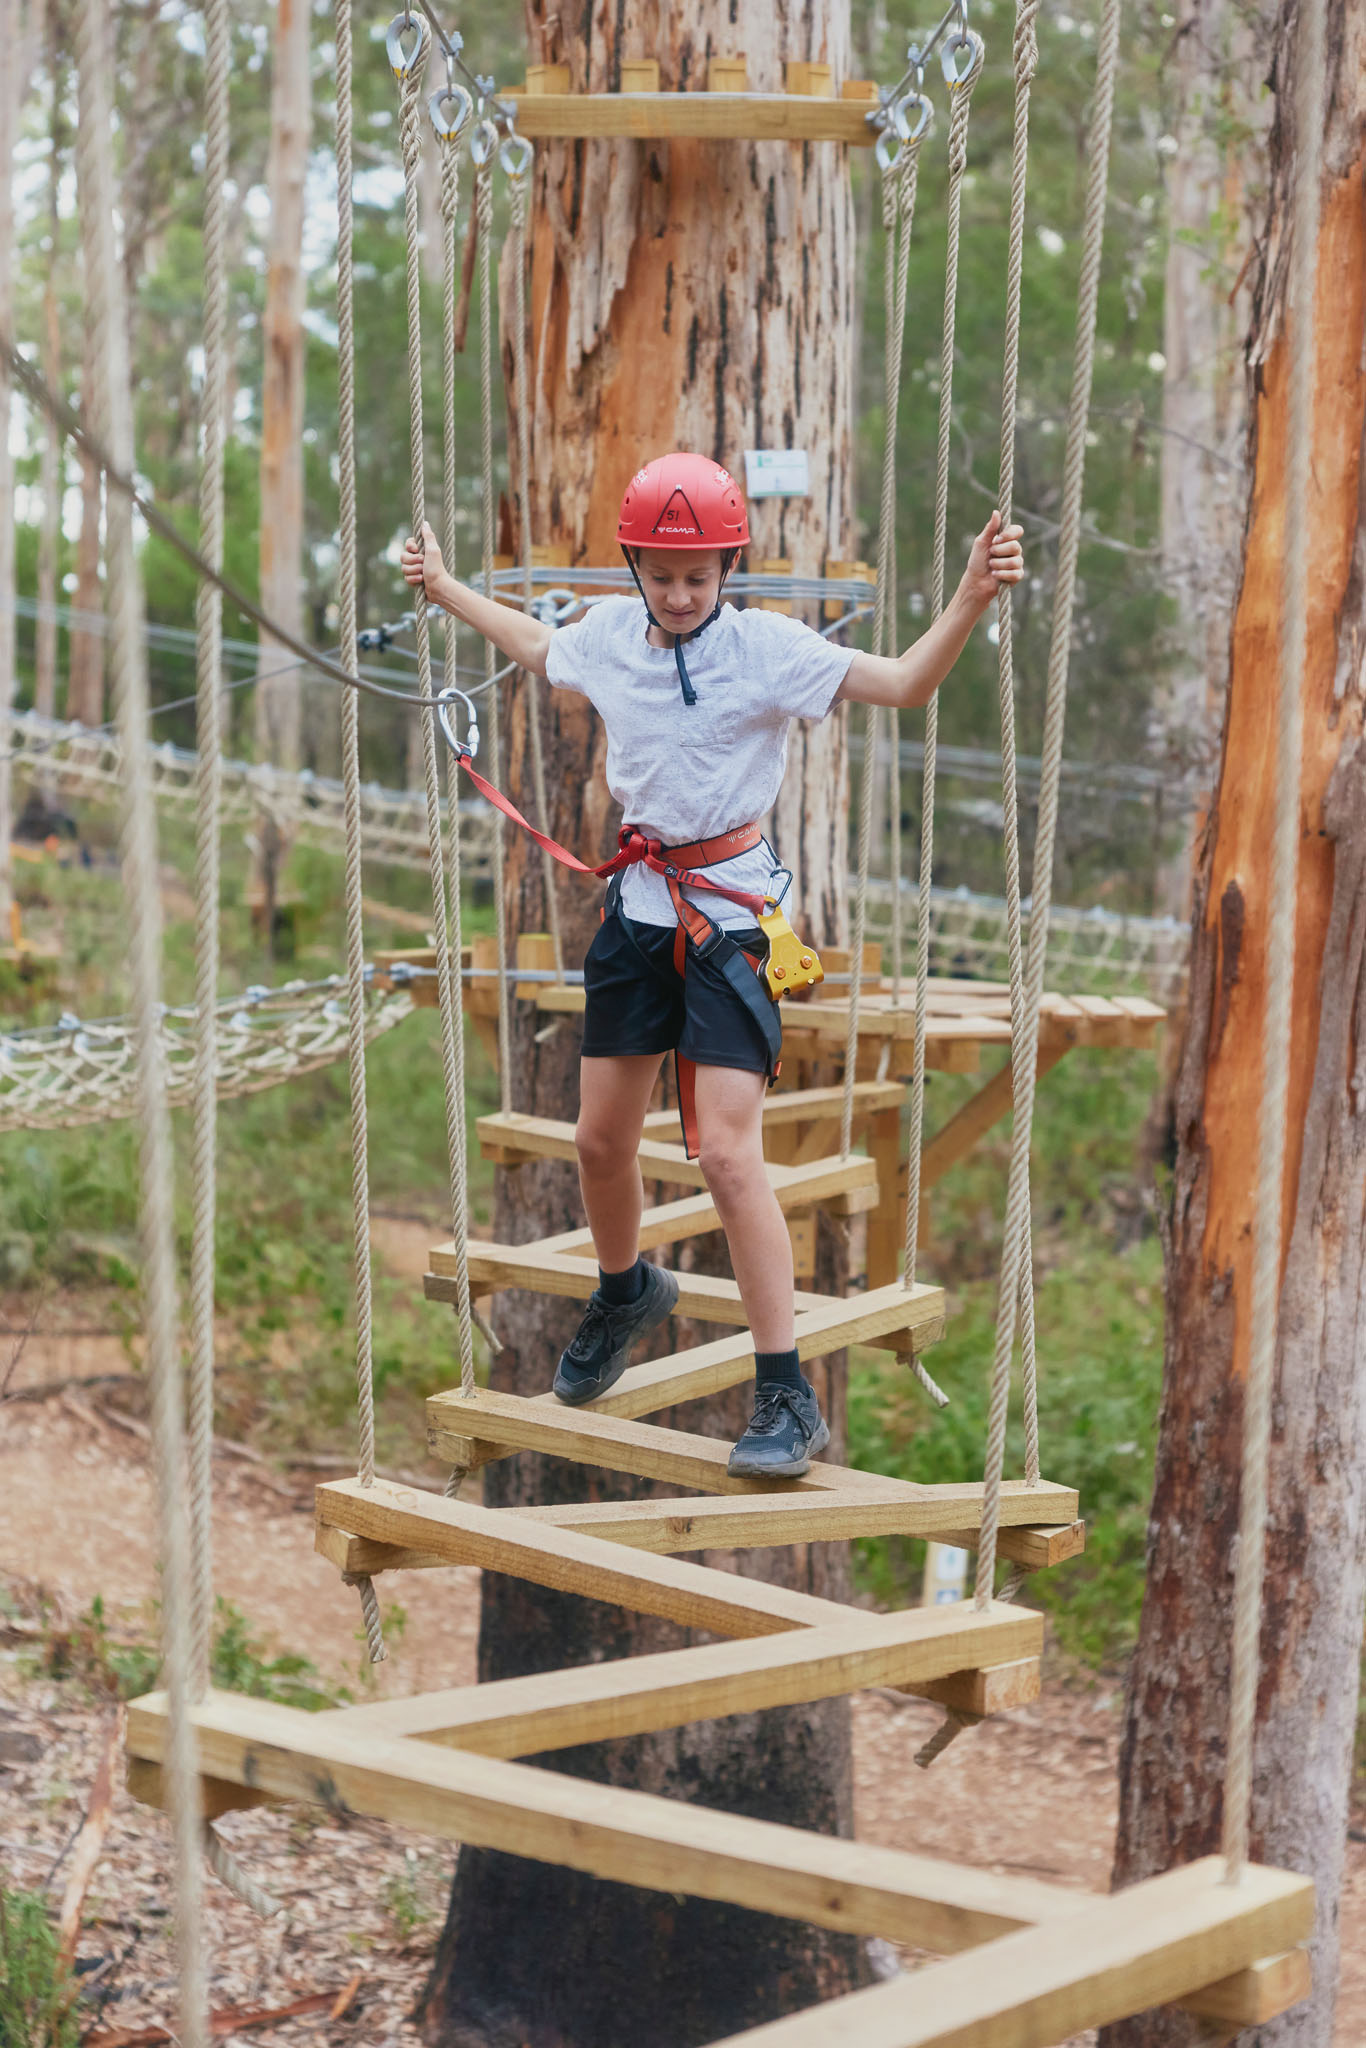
(124, 1665)
(37, 1990)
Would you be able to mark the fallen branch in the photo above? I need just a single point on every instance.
(233, 2019)
(85, 1853)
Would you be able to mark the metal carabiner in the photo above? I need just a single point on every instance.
(466, 749)
(966, 39)
(483, 143)
(768, 893)
(451, 110)
(516, 155)
(402, 63)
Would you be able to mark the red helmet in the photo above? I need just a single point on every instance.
(683, 501)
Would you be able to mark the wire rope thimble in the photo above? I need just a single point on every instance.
(404, 61)
(483, 143)
(466, 749)
(516, 156)
(895, 134)
(450, 109)
(960, 58)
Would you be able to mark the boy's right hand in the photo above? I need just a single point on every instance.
(422, 562)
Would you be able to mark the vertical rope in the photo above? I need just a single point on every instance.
(960, 109)
(483, 202)
(1310, 99)
(1014, 1295)
(410, 137)
(908, 164)
(351, 802)
(898, 195)
(106, 314)
(517, 185)
(450, 211)
(208, 794)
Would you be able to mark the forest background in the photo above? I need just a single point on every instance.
(1139, 730)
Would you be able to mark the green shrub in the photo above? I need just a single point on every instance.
(37, 1991)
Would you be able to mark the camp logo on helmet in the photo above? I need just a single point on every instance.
(678, 517)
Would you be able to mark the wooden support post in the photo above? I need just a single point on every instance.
(536, 950)
(774, 565)
(866, 572)
(544, 78)
(728, 74)
(639, 74)
(816, 80)
(481, 997)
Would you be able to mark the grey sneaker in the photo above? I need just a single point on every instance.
(786, 1433)
(597, 1356)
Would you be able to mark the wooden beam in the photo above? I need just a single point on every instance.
(1160, 1941)
(700, 116)
(637, 1695)
(632, 1837)
(1038, 1549)
(703, 1296)
(665, 1527)
(501, 1541)
(803, 1105)
(216, 1797)
(1257, 1994)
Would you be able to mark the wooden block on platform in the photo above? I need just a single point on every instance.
(728, 74)
(864, 90)
(639, 74)
(1038, 1549)
(1251, 1997)
(994, 1689)
(543, 78)
(816, 80)
(638, 1695)
(773, 565)
(834, 607)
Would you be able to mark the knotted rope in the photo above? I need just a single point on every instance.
(517, 188)
(208, 800)
(450, 211)
(483, 206)
(1310, 101)
(111, 398)
(898, 207)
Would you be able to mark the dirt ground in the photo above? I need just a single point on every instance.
(1032, 1792)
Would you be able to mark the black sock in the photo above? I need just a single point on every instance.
(620, 1289)
(778, 1369)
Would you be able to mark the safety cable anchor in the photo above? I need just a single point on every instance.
(402, 62)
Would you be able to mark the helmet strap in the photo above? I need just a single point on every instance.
(729, 557)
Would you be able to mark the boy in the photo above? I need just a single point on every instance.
(697, 698)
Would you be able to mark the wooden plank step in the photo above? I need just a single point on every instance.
(672, 1846)
(509, 1139)
(690, 1594)
(705, 1297)
(1160, 1941)
(667, 1527)
(803, 1105)
(846, 1187)
(637, 1695)
(897, 1317)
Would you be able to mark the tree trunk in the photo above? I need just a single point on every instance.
(11, 87)
(51, 476)
(697, 296)
(282, 421)
(1172, 1762)
(1215, 184)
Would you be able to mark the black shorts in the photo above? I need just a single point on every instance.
(643, 1005)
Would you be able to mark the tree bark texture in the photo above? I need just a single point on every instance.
(282, 414)
(1216, 187)
(697, 296)
(1173, 1753)
(11, 86)
(52, 476)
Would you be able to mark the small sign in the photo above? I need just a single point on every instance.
(777, 473)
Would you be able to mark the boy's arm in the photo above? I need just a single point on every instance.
(523, 640)
(912, 678)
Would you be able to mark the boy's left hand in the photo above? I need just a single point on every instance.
(996, 561)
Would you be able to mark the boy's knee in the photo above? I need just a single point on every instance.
(602, 1149)
(729, 1168)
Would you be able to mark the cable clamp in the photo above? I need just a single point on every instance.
(404, 62)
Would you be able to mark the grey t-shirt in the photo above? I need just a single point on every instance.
(683, 772)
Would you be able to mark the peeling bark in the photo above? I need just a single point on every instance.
(682, 295)
(1172, 1761)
